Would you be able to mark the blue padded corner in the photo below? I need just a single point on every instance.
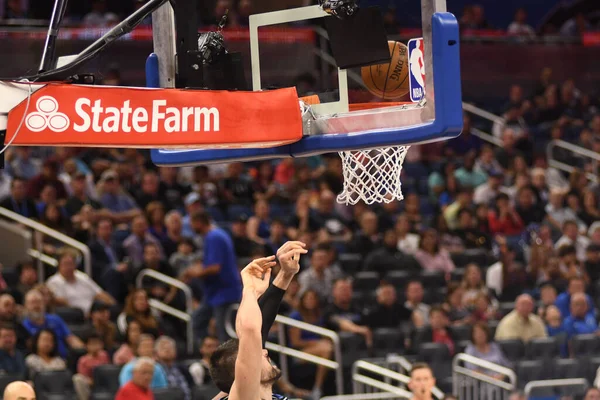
(446, 125)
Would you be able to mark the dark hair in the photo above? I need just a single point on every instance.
(569, 222)
(501, 196)
(24, 265)
(484, 327)
(222, 365)
(420, 365)
(430, 231)
(324, 247)
(438, 309)
(201, 216)
(8, 327)
(566, 250)
(36, 338)
(302, 310)
(92, 336)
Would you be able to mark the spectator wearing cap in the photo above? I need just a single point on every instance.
(48, 176)
(521, 323)
(580, 321)
(135, 243)
(219, 274)
(73, 288)
(18, 201)
(101, 324)
(114, 198)
(487, 192)
(12, 361)
(572, 237)
(193, 204)
(320, 276)
(563, 301)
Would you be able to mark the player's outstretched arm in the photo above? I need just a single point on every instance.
(255, 278)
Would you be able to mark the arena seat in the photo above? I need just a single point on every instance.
(204, 392)
(81, 331)
(532, 370)
(398, 278)
(71, 315)
(432, 279)
(366, 280)
(171, 393)
(457, 275)
(73, 357)
(461, 332)
(592, 365)
(585, 345)
(51, 385)
(388, 340)
(5, 379)
(514, 349)
(543, 348)
(433, 352)
(505, 308)
(461, 345)
(565, 368)
(106, 378)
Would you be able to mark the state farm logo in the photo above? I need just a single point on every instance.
(93, 116)
(47, 116)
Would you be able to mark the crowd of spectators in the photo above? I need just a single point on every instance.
(488, 238)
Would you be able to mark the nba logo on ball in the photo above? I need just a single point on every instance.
(416, 61)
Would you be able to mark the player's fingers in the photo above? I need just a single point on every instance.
(263, 260)
(267, 276)
(295, 252)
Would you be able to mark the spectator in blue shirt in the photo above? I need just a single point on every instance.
(12, 361)
(563, 301)
(37, 319)
(579, 322)
(220, 276)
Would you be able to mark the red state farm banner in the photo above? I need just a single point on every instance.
(101, 116)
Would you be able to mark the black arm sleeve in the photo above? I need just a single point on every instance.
(269, 306)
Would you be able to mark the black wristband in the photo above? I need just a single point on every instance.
(269, 304)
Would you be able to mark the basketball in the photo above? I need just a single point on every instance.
(389, 81)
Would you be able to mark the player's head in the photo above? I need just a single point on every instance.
(222, 366)
(422, 381)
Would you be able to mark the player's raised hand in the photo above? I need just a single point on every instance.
(257, 274)
(289, 256)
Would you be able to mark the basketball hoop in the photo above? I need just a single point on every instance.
(372, 175)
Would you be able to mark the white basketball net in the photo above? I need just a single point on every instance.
(372, 175)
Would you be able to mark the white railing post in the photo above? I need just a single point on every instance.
(468, 383)
(529, 387)
(189, 308)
